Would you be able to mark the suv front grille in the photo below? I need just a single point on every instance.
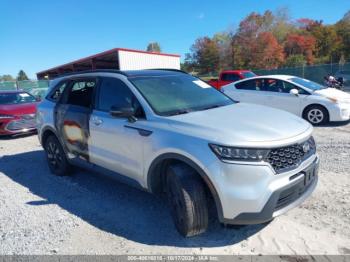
(285, 158)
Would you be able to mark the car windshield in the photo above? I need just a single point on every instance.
(307, 83)
(16, 98)
(178, 94)
(248, 74)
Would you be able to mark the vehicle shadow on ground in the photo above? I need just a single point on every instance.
(13, 137)
(335, 124)
(112, 206)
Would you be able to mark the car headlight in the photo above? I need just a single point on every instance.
(334, 100)
(239, 154)
(6, 116)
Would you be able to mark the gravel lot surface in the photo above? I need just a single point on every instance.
(91, 214)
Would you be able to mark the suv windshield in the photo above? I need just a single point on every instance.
(248, 74)
(16, 98)
(306, 83)
(178, 94)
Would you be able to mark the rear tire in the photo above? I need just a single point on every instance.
(56, 157)
(187, 199)
(316, 115)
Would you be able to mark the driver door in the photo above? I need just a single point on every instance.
(116, 144)
(276, 93)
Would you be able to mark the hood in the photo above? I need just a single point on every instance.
(243, 124)
(339, 95)
(18, 109)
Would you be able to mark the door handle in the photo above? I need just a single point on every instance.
(97, 121)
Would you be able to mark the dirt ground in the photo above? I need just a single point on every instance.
(92, 214)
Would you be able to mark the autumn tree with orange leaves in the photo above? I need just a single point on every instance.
(271, 40)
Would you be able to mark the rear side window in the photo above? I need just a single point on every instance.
(230, 77)
(81, 93)
(114, 92)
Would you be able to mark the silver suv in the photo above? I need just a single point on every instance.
(170, 133)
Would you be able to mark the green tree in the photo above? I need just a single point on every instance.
(154, 47)
(223, 42)
(205, 55)
(22, 76)
(7, 78)
(295, 61)
(343, 31)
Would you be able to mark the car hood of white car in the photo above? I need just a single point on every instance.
(243, 124)
(334, 93)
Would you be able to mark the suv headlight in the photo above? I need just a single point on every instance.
(239, 154)
(6, 116)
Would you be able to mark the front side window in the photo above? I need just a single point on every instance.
(178, 94)
(81, 93)
(273, 85)
(16, 98)
(114, 92)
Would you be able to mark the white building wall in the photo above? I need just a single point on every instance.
(136, 61)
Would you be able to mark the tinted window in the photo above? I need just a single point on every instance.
(289, 86)
(178, 94)
(114, 92)
(16, 98)
(250, 85)
(230, 77)
(81, 93)
(55, 96)
(273, 85)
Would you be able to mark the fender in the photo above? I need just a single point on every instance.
(198, 169)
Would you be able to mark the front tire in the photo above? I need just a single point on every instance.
(187, 199)
(56, 157)
(316, 115)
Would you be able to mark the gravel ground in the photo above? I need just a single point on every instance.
(91, 214)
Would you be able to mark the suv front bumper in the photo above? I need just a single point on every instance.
(284, 198)
(264, 194)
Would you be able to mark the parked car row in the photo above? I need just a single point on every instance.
(170, 133)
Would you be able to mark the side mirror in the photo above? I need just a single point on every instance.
(294, 92)
(38, 98)
(126, 112)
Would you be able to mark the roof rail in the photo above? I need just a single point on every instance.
(169, 69)
(115, 71)
(92, 71)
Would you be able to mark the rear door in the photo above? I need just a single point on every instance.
(72, 114)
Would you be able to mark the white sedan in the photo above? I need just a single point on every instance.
(312, 101)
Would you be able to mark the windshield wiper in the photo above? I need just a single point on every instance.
(211, 107)
(180, 112)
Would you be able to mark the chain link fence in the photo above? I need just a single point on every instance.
(38, 88)
(314, 72)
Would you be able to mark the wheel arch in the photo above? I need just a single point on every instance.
(45, 133)
(157, 168)
(312, 105)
